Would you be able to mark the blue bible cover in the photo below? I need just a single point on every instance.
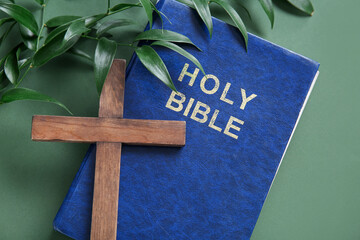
(239, 122)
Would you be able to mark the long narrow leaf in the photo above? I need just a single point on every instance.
(41, 2)
(4, 82)
(75, 29)
(6, 33)
(11, 67)
(80, 53)
(21, 15)
(148, 9)
(5, 20)
(104, 56)
(235, 17)
(28, 37)
(181, 51)
(60, 20)
(16, 94)
(164, 35)
(303, 5)
(123, 6)
(152, 61)
(268, 7)
(92, 20)
(106, 26)
(203, 9)
(59, 44)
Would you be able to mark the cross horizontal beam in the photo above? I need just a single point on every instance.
(129, 131)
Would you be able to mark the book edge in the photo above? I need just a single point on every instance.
(296, 123)
(57, 222)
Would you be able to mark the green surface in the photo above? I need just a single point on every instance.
(316, 193)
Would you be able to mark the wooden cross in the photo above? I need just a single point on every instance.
(109, 131)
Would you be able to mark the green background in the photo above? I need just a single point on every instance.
(316, 194)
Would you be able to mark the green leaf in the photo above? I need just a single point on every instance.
(106, 26)
(78, 52)
(187, 2)
(16, 94)
(60, 20)
(148, 9)
(5, 20)
(203, 9)
(303, 5)
(164, 35)
(75, 29)
(41, 2)
(92, 20)
(181, 51)
(24, 62)
(235, 17)
(21, 15)
(59, 44)
(56, 32)
(104, 56)
(28, 37)
(11, 67)
(122, 6)
(268, 7)
(6, 33)
(152, 61)
(4, 82)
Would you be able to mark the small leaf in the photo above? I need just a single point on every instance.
(106, 26)
(16, 94)
(60, 20)
(11, 67)
(92, 20)
(148, 9)
(56, 32)
(181, 51)
(303, 5)
(122, 6)
(164, 35)
(28, 37)
(59, 44)
(4, 82)
(104, 56)
(189, 3)
(78, 52)
(235, 17)
(268, 7)
(152, 61)
(203, 9)
(24, 62)
(75, 29)
(21, 15)
(6, 33)
(41, 2)
(5, 20)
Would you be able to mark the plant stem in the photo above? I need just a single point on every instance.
(42, 26)
(23, 76)
(89, 37)
(108, 10)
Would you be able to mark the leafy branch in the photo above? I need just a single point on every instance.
(37, 46)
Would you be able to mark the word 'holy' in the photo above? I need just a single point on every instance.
(201, 110)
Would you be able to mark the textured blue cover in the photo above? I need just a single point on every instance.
(215, 186)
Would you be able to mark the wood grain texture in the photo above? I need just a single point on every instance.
(109, 131)
(108, 159)
(130, 131)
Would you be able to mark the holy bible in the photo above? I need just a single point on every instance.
(239, 118)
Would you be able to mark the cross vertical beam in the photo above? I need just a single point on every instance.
(109, 131)
(108, 158)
